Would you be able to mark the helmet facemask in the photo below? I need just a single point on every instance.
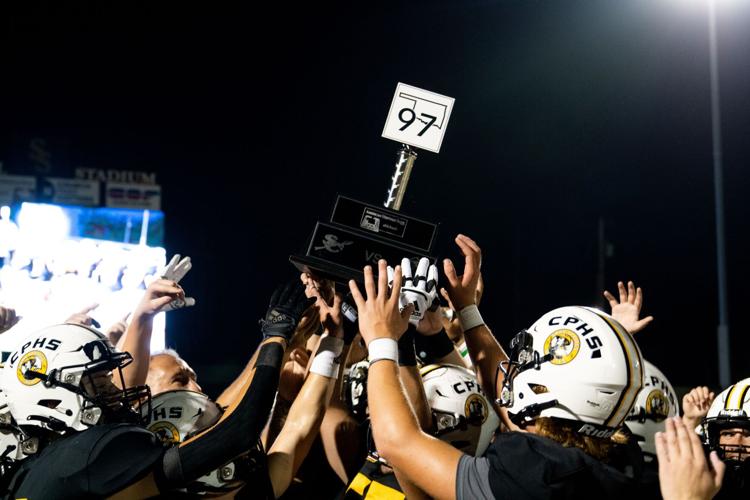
(522, 357)
(102, 401)
(462, 415)
(720, 426)
(454, 428)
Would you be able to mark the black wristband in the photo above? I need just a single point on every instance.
(406, 354)
(432, 348)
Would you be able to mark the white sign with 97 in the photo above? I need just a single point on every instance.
(418, 117)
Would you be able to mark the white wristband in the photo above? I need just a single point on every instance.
(381, 349)
(470, 318)
(326, 361)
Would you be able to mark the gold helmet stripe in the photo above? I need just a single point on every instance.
(634, 368)
(736, 396)
(729, 395)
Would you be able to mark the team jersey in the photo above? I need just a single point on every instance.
(94, 463)
(372, 483)
(521, 465)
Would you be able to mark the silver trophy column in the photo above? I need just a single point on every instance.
(404, 164)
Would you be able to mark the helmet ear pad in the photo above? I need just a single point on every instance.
(462, 415)
(591, 373)
(60, 379)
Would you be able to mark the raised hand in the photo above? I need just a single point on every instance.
(83, 317)
(285, 309)
(628, 309)
(331, 316)
(379, 313)
(419, 289)
(462, 289)
(695, 405)
(8, 318)
(117, 329)
(161, 295)
(684, 472)
(431, 323)
(175, 270)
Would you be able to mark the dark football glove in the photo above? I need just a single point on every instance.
(288, 302)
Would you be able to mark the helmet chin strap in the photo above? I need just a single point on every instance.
(51, 423)
(528, 414)
(31, 375)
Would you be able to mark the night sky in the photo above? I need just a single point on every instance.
(567, 112)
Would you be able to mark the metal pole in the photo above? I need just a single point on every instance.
(721, 266)
(400, 179)
(601, 269)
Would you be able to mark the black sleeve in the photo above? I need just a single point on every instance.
(236, 433)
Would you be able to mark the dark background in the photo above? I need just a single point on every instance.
(254, 118)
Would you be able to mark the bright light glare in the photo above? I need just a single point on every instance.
(43, 223)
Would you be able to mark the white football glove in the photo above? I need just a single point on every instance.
(419, 289)
(175, 271)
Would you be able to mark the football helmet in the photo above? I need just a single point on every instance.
(574, 363)
(178, 415)
(355, 389)
(462, 414)
(730, 410)
(656, 402)
(60, 379)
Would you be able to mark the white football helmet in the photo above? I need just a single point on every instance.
(178, 415)
(656, 402)
(577, 364)
(355, 389)
(60, 379)
(463, 415)
(729, 410)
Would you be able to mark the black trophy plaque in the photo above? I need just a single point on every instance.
(359, 234)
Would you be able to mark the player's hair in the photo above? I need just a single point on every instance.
(167, 352)
(564, 433)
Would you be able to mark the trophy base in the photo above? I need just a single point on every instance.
(327, 270)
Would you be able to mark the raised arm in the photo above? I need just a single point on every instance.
(164, 294)
(397, 433)
(137, 338)
(306, 413)
(484, 349)
(239, 428)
